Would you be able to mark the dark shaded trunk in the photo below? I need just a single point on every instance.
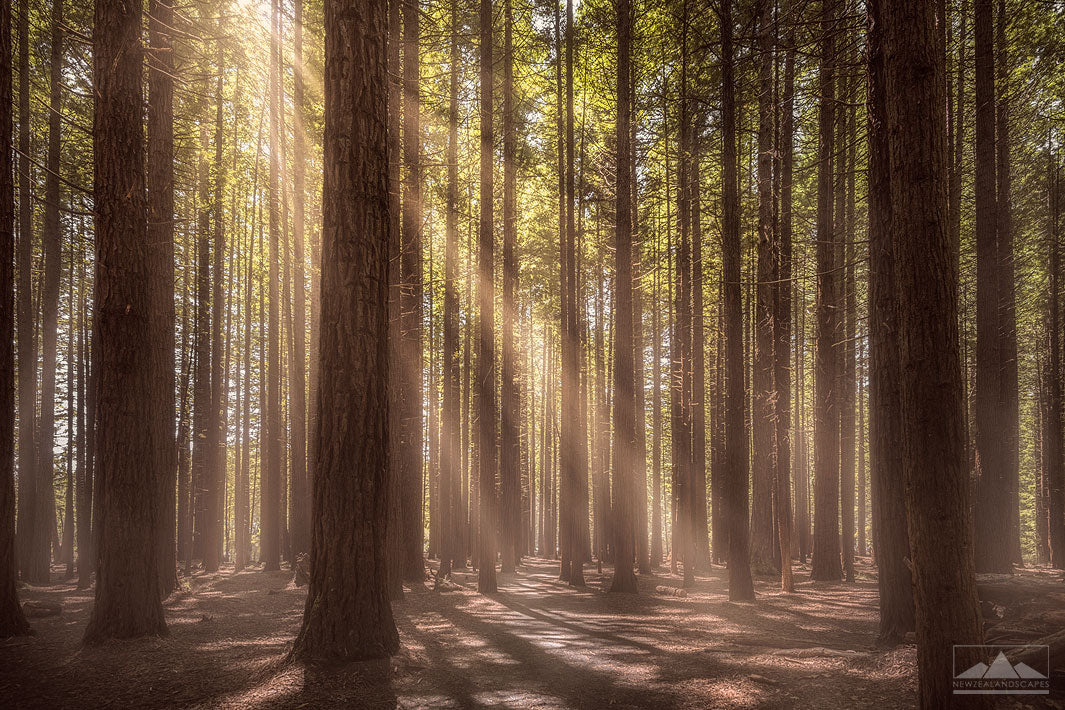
(992, 426)
(741, 587)
(826, 562)
(160, 158)
(485, 382)
(12, 620)
(932, 391)
(623, 512)
(348, 616)
(127, 601)
(890, 536)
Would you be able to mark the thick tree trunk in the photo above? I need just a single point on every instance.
(740, 585)
(12, 620)
(890, 537)
(127, 602)
(347, 616)
(932, 396)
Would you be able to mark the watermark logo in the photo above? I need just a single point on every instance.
(1002, 670)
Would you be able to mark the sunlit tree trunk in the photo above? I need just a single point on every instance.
(348, 616)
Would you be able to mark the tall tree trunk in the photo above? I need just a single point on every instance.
(485, 384)
(1007, 331)
(849, 303)
(347, 616)
(300, 524)
(510, 453)
(700, 533)
(216, 439)
(410, 363)
(932, 397)
(740, 585)
(127, 601)
(826, 562)
(12, 620)
(992, 436)
(764, 445)
(201, 399)
(782, 319)
(161, 240)
(1053, 513)
(623, 512)
(26, 336)
(656, 416)
(890, 536)
(271, 493)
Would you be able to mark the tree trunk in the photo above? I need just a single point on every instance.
(740, 585)
(485, 384)
(12, 620)
(932, 397)
(890, 536)
(127, 600)
(992, 436)
(410, 363)
(1053, 513)
(510, 453)
(347, 616)
(161, 239)
(623, 513)
(826, 562)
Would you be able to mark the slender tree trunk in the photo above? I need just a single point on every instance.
(271, 479)
(410, 363)
(1053, 514)
(510, 454)
(992, 423)
(127, 601)
(848, 301)
(623, 512)
(826, 562)
(736, 473)
(201, 401)
(12, 620)
(216, 446)
(25, 335)
(161, 238)
(485, 385)
(932, 397)
(300, 524)
(347, 616)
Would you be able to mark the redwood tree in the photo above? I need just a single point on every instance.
(127, 602)
(348, 616)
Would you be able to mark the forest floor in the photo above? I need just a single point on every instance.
(538, 643)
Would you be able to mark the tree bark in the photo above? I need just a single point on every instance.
(348, 616)
(740, 584)
(12, 620)
(932, 391)
(127, 601)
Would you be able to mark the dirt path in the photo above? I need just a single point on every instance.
(537, 644)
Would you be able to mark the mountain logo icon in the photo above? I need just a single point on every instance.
(996, 674)
(1001, 668)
